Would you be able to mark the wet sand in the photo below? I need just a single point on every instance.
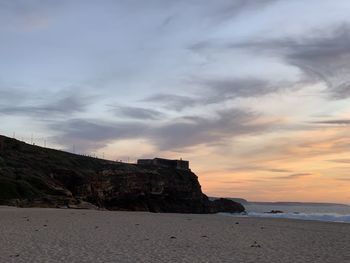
(64, 235)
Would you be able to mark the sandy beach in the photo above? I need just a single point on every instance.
(64, 235)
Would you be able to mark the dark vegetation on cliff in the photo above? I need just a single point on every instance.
(36, 176)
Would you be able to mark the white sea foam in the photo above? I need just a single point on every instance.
(328, 213)
(305, 216)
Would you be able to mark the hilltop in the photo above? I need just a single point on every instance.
(35, 176)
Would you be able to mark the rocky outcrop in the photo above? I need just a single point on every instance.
(226, 206)
(35, 176)
(274, 212)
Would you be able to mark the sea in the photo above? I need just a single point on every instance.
(319, 212)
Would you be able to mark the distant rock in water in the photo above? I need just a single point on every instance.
(275, 212)
(42, 177)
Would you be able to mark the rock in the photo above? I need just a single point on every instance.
(83, 205)
(226, 205)
(275, 212)
(31, 176)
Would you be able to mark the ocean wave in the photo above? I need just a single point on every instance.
(331, 217)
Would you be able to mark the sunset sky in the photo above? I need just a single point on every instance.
(255, 93)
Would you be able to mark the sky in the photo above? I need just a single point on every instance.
(255, 93)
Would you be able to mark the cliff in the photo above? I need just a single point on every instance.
(36, 176)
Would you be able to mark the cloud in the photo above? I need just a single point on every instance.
(36, 14)
(230, 9)
(194, 130)
(226, 89)
(138, 113)
(259, 168)
(58, 106)
(334, 122)
(11, 96)
(175, 134)
(322, 56)
(232, 182)
(90, 135)
(171, 101)
(213, 91)
(343, 179)
(340, 161)
(294, 176)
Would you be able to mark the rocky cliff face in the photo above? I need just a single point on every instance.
(35, 176)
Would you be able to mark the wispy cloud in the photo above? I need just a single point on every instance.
(220, 90)
(258, 168)
(46, 105)
(137, 113)
(91, 135)
(171, 101)
(230, 9)
(174, 134)
(294, 176)
(321, 57)
(190, 131)
(334, 122)
(216, 91)
(345, 179)
(340, 161)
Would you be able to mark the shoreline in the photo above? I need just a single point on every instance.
(293, 217)
(233, 215)
(74, 235)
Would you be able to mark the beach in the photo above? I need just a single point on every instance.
(68, 235)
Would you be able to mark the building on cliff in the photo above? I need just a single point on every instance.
(177, 164)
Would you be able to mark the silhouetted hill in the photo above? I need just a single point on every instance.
(36, 176)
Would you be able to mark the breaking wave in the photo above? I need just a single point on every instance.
(331, 217)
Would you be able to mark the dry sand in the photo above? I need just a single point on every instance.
(62, 235)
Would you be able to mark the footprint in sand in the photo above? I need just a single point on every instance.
(255, 245)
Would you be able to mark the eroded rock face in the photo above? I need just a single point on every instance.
(223, 205)
(35, 176)
(137, 188)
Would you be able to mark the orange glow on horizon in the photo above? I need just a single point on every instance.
(299, 167)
